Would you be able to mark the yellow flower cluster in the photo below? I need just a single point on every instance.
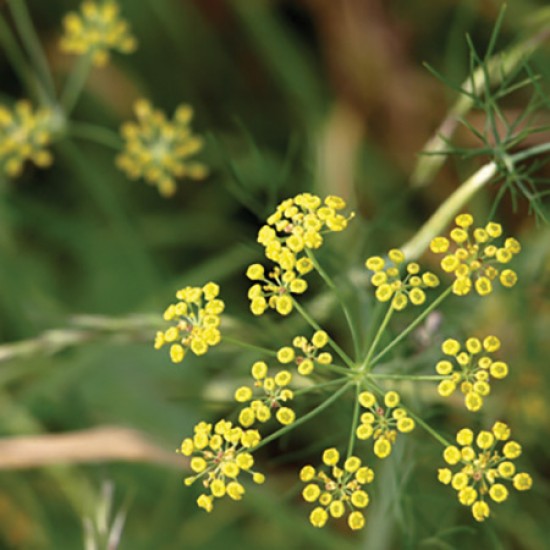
(475, 260)
(308, 352)
(24, 135)
(275, 391)
(297, 225)
(97, 30)
(383, 422)
(158, 149)
(219, 454)
(390, 285)
(338, 493)
(196, 317)
(483, 469)
(275, 289)
(474, 371)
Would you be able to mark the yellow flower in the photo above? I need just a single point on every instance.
(274, 392)
(338, 491)
(197, 319)
(306, 354)
(96, 31)
(400, 288)
(205, 502)
(318, 517)
(158, 150)
(475, 259)
(472, 369)
(383, 421)
(285, 355)
(480, 510)
(274, 290)
(483, 471)
(297, 225)
(219, 454)
(24, 136)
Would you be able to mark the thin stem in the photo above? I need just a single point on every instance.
(311, 414)
(415, 377)
(320, 386)
(343, 355)
(413, 325)
(355, 420)
(31, 42)
(531, 152)
(428, 428)
(75, 83)
(496, 69)
(415, 417)
(436, 224)
(330, 283)
(374, 320)
(336, 368)
(19, 64)
(445, 213)
(246, 345)
(97, 134)
(85, 330)
(366, 366)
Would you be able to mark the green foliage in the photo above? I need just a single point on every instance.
(86, 251)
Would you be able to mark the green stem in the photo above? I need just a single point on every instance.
(446, 212)
(375, 318)
(19, 64)
(413, 325)
(428, 428)
(97, 134)
(330, 283)
(366, 366)
(320, 386)
(416, 377)
(531, 152)
(32, 44)
(75, 83)
(416, 418)
(454, 203)
(308, 416)
(335, 368)
(355, 420)
(343, 355)
(85, 329)
(497, 68)
(246, 345)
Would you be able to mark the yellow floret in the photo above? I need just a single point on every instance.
(158, 150)
(95, 31)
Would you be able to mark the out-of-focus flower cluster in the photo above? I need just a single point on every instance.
(24, 135)
(476, 260)
(298, 225)
(391, 285)
(339, 493)
(196, 317)
(219, 454)
(471, 370)
(483, 470)
(159, 150)
(97, 30)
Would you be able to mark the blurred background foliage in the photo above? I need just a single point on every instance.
(328, 96)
